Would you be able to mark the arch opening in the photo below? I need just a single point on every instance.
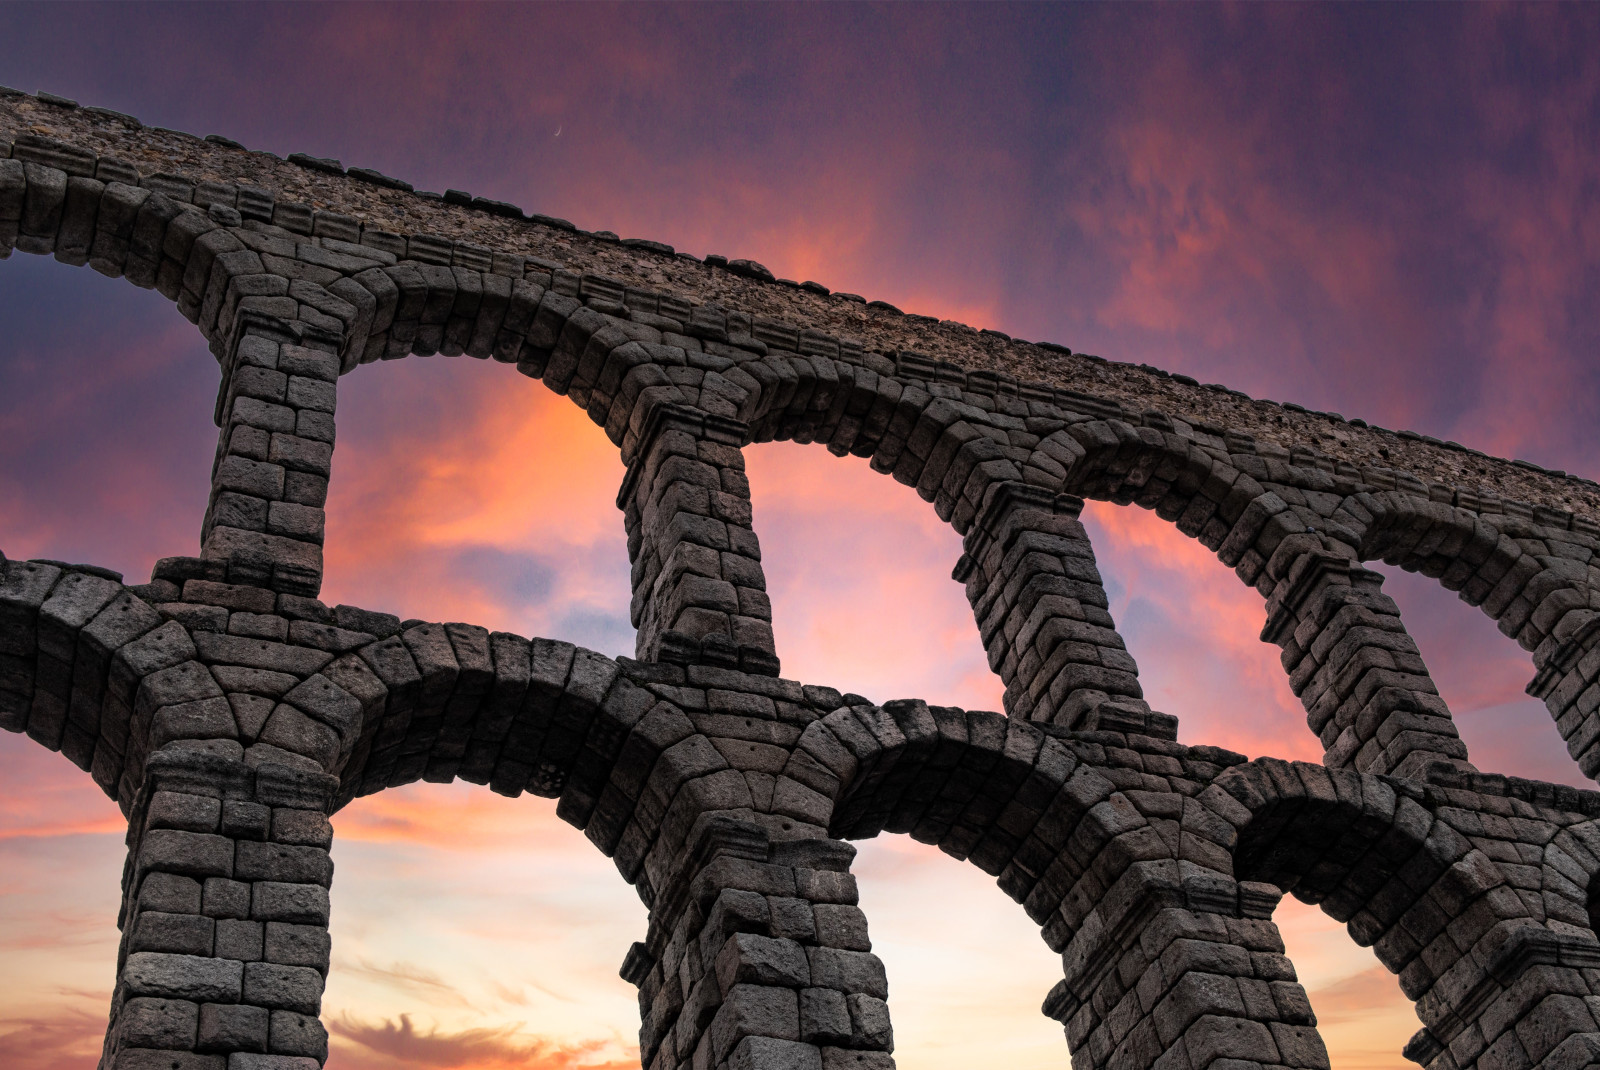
(1194, 630)
(859, 575)
(1483, 676)
(61, 852)
(1331, 858)
(464, 492)
(967, 969)
(104, 396)
(488, 932)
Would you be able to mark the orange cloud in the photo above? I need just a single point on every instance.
(47, 796)
(467, 492)
(360, 1045)
(456, 817)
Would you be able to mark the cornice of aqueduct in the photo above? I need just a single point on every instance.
(229, 711)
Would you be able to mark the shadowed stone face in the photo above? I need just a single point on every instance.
(229, 711)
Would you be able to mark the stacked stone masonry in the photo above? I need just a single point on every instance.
(229, 711)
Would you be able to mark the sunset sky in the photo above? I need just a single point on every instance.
(1391, 212)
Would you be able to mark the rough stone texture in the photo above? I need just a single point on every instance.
(716, 280)
(228, 711)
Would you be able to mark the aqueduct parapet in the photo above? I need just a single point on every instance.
(228, 711)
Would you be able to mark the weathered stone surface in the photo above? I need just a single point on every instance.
(229, 711)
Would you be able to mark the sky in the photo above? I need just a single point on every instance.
(1391, 212)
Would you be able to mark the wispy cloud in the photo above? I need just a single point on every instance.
(66, 1041)
(362, 1044)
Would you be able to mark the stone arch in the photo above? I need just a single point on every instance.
(1384, 857)
(396, 296)
(1525, 570)
(95, 671)
(88, 663)
(1367, 693)
(1093, 836)
(1124, 885)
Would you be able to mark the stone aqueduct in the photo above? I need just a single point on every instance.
(229, 712)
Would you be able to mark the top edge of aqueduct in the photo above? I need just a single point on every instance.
(940, 346)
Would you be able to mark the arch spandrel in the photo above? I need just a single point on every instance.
(716, 785)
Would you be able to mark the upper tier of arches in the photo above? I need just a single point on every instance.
(619, 352)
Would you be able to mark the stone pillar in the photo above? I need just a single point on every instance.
(264, 522)
(224, 918)
(699, 595)
(758, 958)
(1181, 975)
(1044, 618)
(1366, 690)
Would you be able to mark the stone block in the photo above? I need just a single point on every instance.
(188, 813)
(869, 1021)
(298, 1034)
(238, 939)
(291, 730)
(297, 945)
(282, 862)
(226, 898)
(170, 893)
(848, 971)
(1299, 1046)
(145, 1022)
(192, 854)
(305, 904)
(304, 827)
(230, 1027)
(241, 1061)
(824, 1017)
(747, 958)
(207, 718)
(184, 934)
(841, 926)
(245, 820)
(190, 977)
(753, 1011)
(767, 1053)
(279, 987)
(1213, 1037)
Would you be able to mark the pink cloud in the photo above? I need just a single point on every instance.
(859, 572)
(69, 1040)
(360, 1044)
(1195, 630)
(48, 797)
